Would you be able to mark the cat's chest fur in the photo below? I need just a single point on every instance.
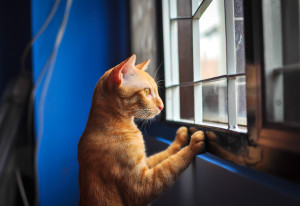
(113, 147)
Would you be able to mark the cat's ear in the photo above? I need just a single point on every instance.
(143, 66)
(118, 72)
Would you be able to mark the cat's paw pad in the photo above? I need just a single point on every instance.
(182, 135)
(197, 141)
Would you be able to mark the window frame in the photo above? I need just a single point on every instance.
(257, 148)
(170, 41)
(273, 135)
(232, 145)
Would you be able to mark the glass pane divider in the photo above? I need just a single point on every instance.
(199, 8)
(167, 42)
(198, 106)
(173, 8)
(196, 51)
(230, 37)
(176, 103)
(174, 52)
(232, 103)
(169, 104)
(231, 76)
(231, 64)
(181, 18)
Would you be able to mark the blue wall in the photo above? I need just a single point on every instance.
(95, 40)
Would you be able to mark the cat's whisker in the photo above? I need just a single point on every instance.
(157, 70)
(160, 81)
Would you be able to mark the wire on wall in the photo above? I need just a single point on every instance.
(46, 73)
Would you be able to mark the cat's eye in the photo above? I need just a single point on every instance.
(147, 91)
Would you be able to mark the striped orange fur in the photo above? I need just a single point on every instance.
(113, 167)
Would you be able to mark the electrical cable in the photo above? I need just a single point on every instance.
(38, 34)
(51, 62)
(21, 188)
(43, 71)
(23, 71)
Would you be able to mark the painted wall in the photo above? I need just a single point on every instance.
(95, 40)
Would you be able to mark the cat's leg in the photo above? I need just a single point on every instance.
(151, 182)
(180, 140)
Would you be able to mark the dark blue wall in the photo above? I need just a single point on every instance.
(95, 40)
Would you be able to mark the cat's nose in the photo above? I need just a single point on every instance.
(160, 107)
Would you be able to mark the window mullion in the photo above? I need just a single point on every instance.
(167, 43)
(232, 104)
(198, 112)
(231, 64)
(230, 37)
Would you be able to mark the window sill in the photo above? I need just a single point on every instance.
(276, 183)
(235, 148)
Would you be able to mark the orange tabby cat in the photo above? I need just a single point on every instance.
(113, 166)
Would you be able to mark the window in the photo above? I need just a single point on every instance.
(205, 63)
(220, 54)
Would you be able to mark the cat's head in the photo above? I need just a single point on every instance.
(133, 89)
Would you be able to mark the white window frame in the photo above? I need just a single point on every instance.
(171, 65)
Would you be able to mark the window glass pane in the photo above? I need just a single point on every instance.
(238, 8)
(241, 101)
(215, 101)
(185, 50)
(282, 61)
(184, 8)
(187, 103)
(240, 46)
(213, 41)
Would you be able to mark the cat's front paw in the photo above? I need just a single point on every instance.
(182, 136)
(197, 142)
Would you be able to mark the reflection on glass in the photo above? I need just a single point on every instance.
(213, 40)
(238, 8)
(215, 101)
(240, 46)
(241, 101)
(281, 28)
